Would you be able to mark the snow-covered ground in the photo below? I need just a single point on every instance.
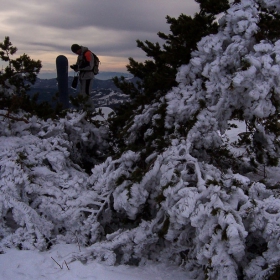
(51, 265)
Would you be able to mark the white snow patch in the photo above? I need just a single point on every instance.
(32, 265)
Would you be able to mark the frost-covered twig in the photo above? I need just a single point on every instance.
(77, 240)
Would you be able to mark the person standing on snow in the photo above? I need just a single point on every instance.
(84, 65)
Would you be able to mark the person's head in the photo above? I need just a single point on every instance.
(75, 48)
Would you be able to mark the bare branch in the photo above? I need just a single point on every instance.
(14, 118)
(66, 265)
(61, 267)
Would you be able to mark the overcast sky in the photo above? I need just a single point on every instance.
(110, 28)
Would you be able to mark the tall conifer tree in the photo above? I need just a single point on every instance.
(157, 74)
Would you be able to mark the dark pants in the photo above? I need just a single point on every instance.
(85, 89)
(86, 86)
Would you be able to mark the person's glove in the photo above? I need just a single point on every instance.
(74, 67)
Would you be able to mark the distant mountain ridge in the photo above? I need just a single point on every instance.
(52, 84)
(103, 93)
(101, 76)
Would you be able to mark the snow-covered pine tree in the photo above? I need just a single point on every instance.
(187, 202)
(157, 74)
(44, 193)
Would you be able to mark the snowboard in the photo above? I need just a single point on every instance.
(62, 80)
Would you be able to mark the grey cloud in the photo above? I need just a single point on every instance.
(145, 15)
(109, 27)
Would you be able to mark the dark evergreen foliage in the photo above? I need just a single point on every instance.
(213, 7)
(269, 26)
(16, 79)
